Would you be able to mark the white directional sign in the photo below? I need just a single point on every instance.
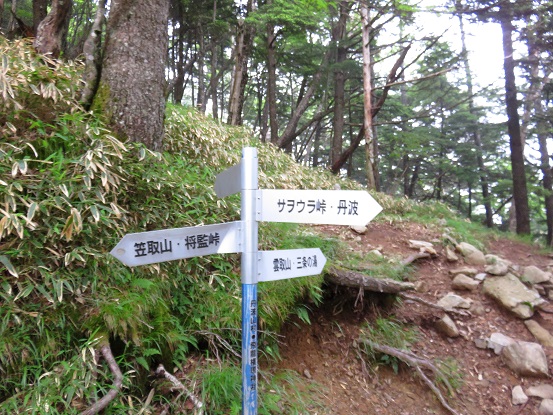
(332, 207)
(228, 181)
(171, 244)
(290, 263)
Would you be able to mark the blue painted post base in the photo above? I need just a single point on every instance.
(249, 349)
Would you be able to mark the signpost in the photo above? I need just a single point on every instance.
(331, 207)
(171, 244)
(338, 207)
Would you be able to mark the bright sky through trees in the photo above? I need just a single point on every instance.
(483, 41)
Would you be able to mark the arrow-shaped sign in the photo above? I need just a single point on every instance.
(178, 243)
(331, 207)
(290, 263)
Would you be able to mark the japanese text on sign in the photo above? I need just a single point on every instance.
(253, 344)
(345, 207)
(191, 242)
(285, 264)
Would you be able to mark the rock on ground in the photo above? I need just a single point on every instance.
(526, 359)
(511, 293)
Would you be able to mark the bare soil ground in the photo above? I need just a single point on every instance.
(325, 351)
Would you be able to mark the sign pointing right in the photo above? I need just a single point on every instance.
(330, 207)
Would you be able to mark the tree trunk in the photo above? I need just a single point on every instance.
(414, 179)
(201, 103)
(53, 28)
(534, 112)
(338, 122)
(370, 143)
(91, 51)
(244, 40)
(543, 134)
(39, 13)
(475, 133)
(271, 83)
(520, 192)
(392, 77)
(12, 23)
(289, 133)
(131, 93)
(213, 77)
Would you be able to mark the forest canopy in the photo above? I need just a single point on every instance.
(361, 88)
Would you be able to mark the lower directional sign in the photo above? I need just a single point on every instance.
(290, 263)
(171, 244)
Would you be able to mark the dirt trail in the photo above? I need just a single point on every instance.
(325, 351)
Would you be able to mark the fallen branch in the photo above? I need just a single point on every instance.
(117, 382)
(418, 363)
(178, 385)
(355, 279)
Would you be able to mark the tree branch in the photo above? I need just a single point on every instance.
(417, 362)
(117, 382)
(178, 385)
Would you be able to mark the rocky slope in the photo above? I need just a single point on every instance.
(497, 334)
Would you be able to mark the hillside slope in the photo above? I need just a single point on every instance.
(328, 351)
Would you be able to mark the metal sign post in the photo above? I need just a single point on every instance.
(248, 186)
(337, 207)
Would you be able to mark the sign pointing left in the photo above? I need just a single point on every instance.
(178, 243)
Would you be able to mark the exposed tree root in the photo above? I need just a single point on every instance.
(355, 279)
(418, 363)
(178, 385)
(117, 382)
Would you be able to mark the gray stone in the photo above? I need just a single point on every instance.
(497, 269)
(542, 335)
(510, 292)
(360, 230)
(472, 255)
(464, 270)
(376, 252)
(423, 246)
(481, 343)
(451, 301)
(498, 341)
(480, 277)
(447, 326)
(534, 275)
(462, 282)
(546, 407)
(518, 396)
(543, 391)
(496, 265)
(526, 359)
(450, 255)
